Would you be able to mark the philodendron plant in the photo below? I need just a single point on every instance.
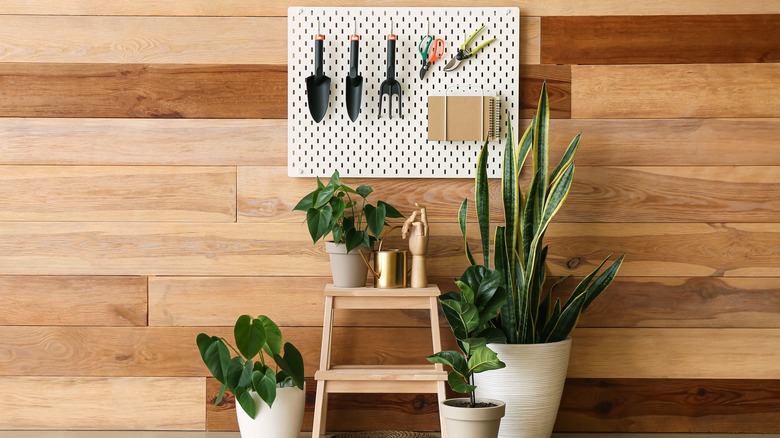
(240, 374)
(529, 315)
(469, 313)
(337, 209)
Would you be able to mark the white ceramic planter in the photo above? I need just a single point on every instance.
(531, 385)
(472, 422)
(283, 420)
(348, 268)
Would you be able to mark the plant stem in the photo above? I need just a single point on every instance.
(472, 394)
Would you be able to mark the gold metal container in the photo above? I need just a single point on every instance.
(389, 269)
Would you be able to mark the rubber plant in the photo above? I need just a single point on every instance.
(528, 314)
(337, 209)
(468, 312)
(248, 370)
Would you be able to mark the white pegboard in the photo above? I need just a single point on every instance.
(375, 146)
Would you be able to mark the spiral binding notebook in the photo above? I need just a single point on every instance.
(463, 118)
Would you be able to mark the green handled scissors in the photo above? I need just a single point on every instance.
(465, 53)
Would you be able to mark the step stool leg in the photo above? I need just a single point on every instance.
(320, 410)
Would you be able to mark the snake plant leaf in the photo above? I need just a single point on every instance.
(558, 193)
(364, 191)
(250, 336)
(524, 145)
(541, 137)
(567, 321)
(568, 157)
(457, 383)
(532, 214)
(391, 211)
(583, 285)
(484, 359)
(265, 385)
(552, 320)
(509, 191)
(482, 201)
(462, 212)
(452, 359)
(273, 336)
(466, 292)
(319, 221)
(292, 364)
(247, 402)
(603, 281)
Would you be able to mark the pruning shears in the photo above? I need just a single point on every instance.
(465, 53)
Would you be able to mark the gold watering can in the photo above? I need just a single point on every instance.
(389, 267)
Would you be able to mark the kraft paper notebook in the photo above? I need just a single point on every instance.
(463, 118)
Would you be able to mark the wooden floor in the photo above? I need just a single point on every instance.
(125, 434)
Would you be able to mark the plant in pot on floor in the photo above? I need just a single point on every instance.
(535, 324)
(337, 210)
(469, 314)
(271, 396)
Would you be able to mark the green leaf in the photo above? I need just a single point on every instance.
(603, 281)
(250, 336)
(291, 364)
(364, 191)
(541, 140)
(319, 222)
(216, 357)
(458, 384)
(273, 336)
(356, 238)
(472, 344)
(558, 193)
(221, 394)
(246, 375)
(484, 359)
(246, 401)
(466, 292)
(465, 320)
(375, 218)
(324, 195)
(233, 373)
(563, 325)
(492, 335)
(462, 212)
(337, 206)
(265, 385)
(335, 179)
(452, 359)
(482, 201)
(306, 202)
(391, 211)
(567, 158)
(509, 192)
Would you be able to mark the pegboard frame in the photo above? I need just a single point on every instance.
(397, 147)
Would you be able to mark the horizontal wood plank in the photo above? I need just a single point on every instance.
(171, 352)
(143, 40)
(675, 91)
(346, 412)
(149, 403)
(91, 193)
(530, 40)
(142, 90)
(285, 249)
(599, 194)
(169, 142)
(98, 301)
(289, 301)
(559, 89)
(682, 302)
(685, 39)
(280, 8)
(670, 405)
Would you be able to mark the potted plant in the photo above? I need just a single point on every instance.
(469, 314)
(272, 398)
(337, 210)
(535, 326)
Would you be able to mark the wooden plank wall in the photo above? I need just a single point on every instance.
(145, 199)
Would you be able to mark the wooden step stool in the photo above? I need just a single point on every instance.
(376, 379)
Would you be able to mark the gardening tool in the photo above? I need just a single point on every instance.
(354, 81)
(465, 53)
(318, 85)
(438, 51)
(390, 87)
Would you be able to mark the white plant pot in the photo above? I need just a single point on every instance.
(348, 268)
(531, 385)
(283, 420)
(463, 422)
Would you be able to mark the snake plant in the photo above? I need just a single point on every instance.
(528, 315)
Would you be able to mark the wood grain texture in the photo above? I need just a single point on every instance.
(346, 412)
(171, 351)
(289, 301)
(686, 39)
(675, 91)
(148, 403)
(530, 40)
(143, 40)
(682, 302)
(90, 193)
(183, 142)
(670, 405)
(280, 8)
(141, 90)
(646, 353)
(83, 300)
(559, 89)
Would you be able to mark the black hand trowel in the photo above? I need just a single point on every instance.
(354, 81)
(318, 85)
